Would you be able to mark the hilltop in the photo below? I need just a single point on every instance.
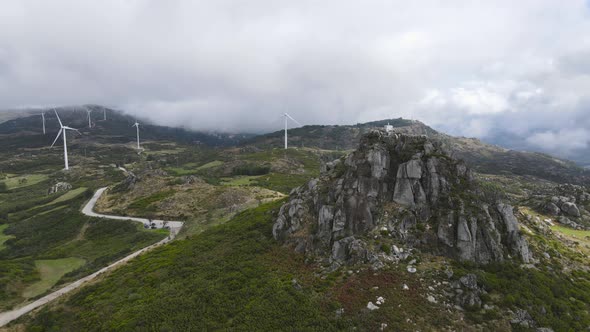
(404, 187)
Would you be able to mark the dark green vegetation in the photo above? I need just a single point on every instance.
(250, 169)
(234, 276)
(275, 169)
(37, 226)
(60, 233)
(553, 299)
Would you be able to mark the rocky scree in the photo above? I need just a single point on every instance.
(398, 189)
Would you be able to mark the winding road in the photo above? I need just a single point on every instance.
(174, 226)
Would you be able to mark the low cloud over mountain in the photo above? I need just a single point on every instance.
(515, 73)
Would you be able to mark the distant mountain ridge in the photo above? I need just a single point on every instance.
(25, 131)
(482, 157)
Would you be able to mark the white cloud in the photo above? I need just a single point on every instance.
(465, 67)
(561, 141)
(479, 101)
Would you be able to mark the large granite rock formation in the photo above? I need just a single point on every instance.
(403, 189)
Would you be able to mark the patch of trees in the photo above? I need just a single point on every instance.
(251, 169)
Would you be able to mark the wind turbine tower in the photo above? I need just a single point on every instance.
(43, 117)
(136, 125)
(88, 111)
(287, 117)
(63, 130)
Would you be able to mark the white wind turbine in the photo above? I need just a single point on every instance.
(136, 125)
(287, 117)
(63, 130)
(43, 117)
(104, 113)
(88, 111)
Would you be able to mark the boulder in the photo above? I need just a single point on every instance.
(552, 209)
(468, 292)
(523, 319)
(567, 222)
(371, 306)
(189, 179)
(570, 209)
(469, 281)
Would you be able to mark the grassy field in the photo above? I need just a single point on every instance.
(24, 181)
(581, 238)
(3, 237)
(69, 195)
(193, 168)
(212, 164)
(163, 152)
(65, 197)
(574, 233)
(51, 271)
(239, 180)
(57, 232)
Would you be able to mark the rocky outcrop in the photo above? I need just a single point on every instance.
(568, 203)
(189, 179)
(59, 187)
(408, 188)
(562, 205)
(466, 292)
(130, 181)
(552, 209)
(567, 222)
(570, 209)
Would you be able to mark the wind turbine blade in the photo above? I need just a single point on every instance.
(58, 119)
(56, 137)
(290, 117)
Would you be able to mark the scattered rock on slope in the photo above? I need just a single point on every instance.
(59, 187)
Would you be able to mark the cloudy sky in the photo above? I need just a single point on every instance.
(514, 72)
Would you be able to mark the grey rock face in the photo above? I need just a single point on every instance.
(408, 189)
(552, 209)
(516, 243)
(570, 209)
(523, 318)
(469, 281)
(128, 183)
(467, 291)
(423, 188)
